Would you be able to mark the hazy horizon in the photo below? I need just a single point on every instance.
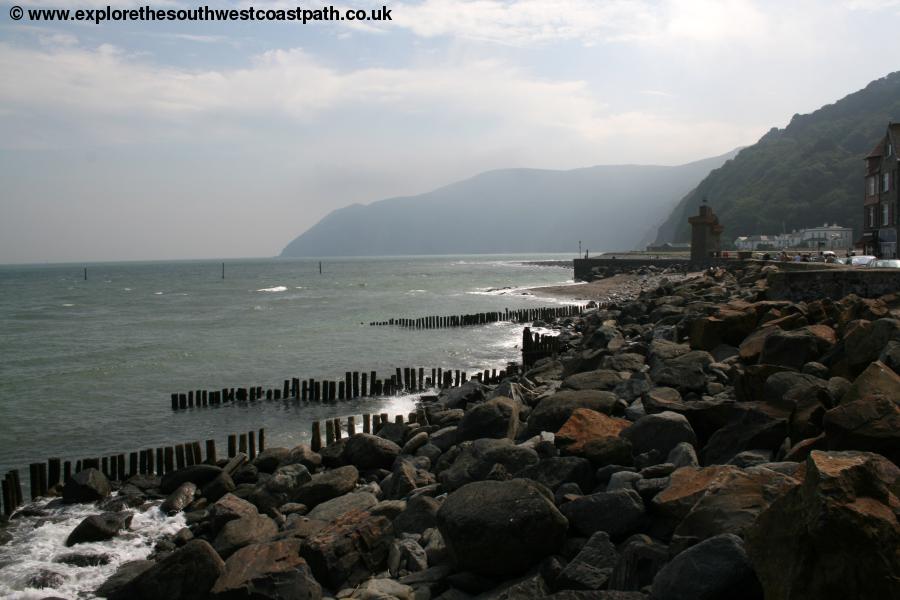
(159, 141)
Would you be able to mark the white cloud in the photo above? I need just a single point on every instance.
(522, 22)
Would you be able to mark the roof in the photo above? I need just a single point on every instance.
(894, 133)
(878, 150)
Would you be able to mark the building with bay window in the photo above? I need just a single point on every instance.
(881, 201)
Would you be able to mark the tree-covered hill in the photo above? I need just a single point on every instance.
(801, 176)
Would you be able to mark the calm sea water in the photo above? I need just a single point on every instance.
(87, 366)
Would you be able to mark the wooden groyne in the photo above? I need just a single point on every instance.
(355, 384)
(336, 427)
(536, 346)
(44, 476)
(522, 315)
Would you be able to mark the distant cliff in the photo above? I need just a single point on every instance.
(801, 176)
(512, 210)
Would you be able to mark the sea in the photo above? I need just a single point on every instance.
(88, 364)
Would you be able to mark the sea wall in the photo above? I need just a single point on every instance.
(832, 283)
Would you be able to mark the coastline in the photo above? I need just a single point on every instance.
(618, 287)
(678, 424)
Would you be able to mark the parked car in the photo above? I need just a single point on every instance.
(884, 263)
(861, 261)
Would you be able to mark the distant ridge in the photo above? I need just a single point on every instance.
(512, 210)
(803, 175)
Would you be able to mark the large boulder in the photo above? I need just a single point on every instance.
(836, 535)
(180, 498)
(407, 475)
(477, 459)
(242, 532)
(798, 347)
(197, 474)
(187, 574)
(272, 571)
(600, 379)
(111, 588)
(97, 528)
(585, 425)
(419, 515)
(727, 326)
(592, 567)
(228, 508)
(552, 412)
(271, 458)
(661, 432)
(686, 486)
(730, 505)
(554, 471)
(501, 527)
(619, 513)
(705, 416)
(686, 373)
(496, 418)
(366, 451)
(89, 485)
(349, 550)
(865, 343)
(868, 417)
(752, 346)
(751, 426)
(348, 503)
(327, 485)
(715, 568)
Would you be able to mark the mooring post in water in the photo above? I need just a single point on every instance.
(351, 426)
(223, 270)
(85, 273)
(179, 456)
(8, 501)
(367, 423)
(53, 471)
(320, 267)
(315, 443)
(169, 459)
(329, 432)
(251, 438)
(337, 429)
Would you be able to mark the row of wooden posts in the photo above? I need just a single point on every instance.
(355, 384)
(371, 423)
(522, 315)
(46, 475)
(536, 346)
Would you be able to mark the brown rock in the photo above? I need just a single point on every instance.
(349, 550)
(585, 425)
(186, 574)
(870, 423)
(728, 326)
(834, 537)
(751, 347)
(730, 505)
(273, 570)
(686, 486)
(877, 381)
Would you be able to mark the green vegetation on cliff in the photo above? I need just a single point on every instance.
(801, 176)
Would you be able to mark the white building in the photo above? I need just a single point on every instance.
(826, 237)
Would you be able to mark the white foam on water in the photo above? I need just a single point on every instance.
(157, 293)
(38, 541)
(67, 304)
(126, 289)
(274, 290)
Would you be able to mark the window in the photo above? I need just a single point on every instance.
(870, 186)
(871, 216)
(885, 215)
(886, 182)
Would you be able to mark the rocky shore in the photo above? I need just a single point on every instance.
(696, 441)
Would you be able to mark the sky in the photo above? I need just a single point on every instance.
(168, 140)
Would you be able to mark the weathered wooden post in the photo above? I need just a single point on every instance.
(315, 442)
(211, 457)
(329, 432)
(351, 426)
(232, 446)
(367, 423)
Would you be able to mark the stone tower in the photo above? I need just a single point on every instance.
(705, 234)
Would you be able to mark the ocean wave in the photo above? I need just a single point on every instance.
(38, 542)
(277, 288)
(67, 304)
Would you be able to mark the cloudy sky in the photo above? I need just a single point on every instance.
(126, 141)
